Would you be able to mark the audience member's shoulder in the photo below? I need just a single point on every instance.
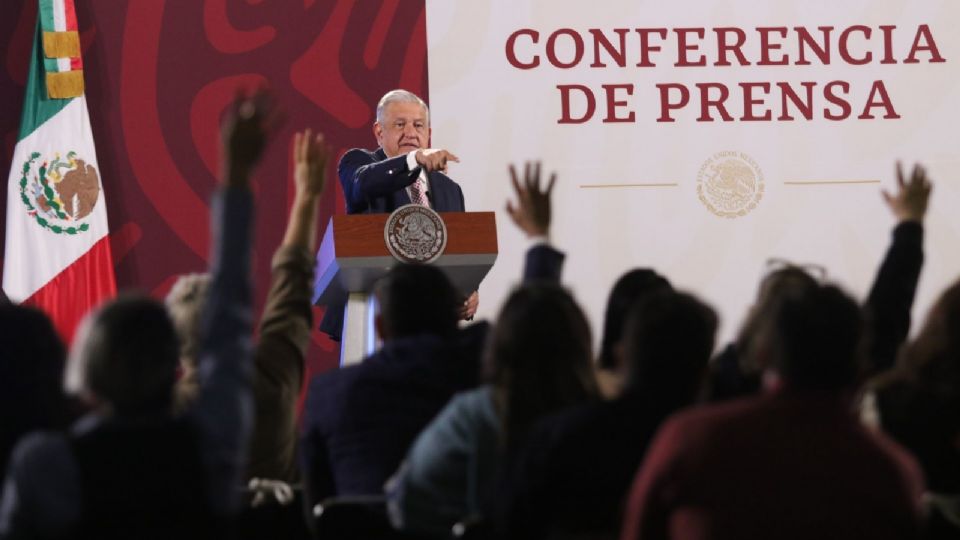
(473, 399)
(41, 455)
(703, 421)
(47, 481)
(473, 405)
(581, 417)
(326, 386)
(570, 428)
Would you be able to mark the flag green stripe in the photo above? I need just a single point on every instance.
(37, 107)
(47, 24)
(46, 15)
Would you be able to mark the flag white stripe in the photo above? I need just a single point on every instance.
(60, 25)
(59, 16)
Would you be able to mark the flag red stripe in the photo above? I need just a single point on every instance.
(80, 287)
(69, 15)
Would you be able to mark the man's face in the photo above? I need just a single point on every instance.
(404, 128)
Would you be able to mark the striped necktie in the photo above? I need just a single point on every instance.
(417, 195)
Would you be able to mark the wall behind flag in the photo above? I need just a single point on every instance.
(158, 74)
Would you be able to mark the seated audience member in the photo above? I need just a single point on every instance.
(284, 335)
(632, 287)
(572, 475)
(793, 463)
(360, 420)
(918, 404)
(31, 377)
(538, 360)
(132, 469)
(736, 370)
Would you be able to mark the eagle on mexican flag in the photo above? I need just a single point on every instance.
(57, 246)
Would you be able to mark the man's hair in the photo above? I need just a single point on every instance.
(668, 339)
(417, 299)
(126, 355)
(631, 288)
(538, 357)
(185, 303)
(400, 96)
(815, 336)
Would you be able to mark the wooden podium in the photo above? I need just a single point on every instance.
(354, 254)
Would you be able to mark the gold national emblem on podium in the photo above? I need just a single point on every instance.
(415, 234)
(730, 184)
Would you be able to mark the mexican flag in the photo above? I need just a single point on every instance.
(57, 249)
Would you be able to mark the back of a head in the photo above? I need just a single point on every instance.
(631, 288)
(186, 302)
(668, 338)
(31, 374)
(417, 299)
(538, 356)
(815, 337)
(126, 356)
(774, 287)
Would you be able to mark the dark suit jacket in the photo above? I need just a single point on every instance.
(360, 420)
(373, 183)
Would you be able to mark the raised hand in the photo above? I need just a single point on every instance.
(910, 201)
(532, 212)
(435, 160)
(310, 157)
(244, 132)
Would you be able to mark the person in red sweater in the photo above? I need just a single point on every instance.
(794, 462)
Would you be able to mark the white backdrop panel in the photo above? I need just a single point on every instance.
(490, 113)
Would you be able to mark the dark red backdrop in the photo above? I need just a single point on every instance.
(160, 72)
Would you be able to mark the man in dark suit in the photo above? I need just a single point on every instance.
(400, 172)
